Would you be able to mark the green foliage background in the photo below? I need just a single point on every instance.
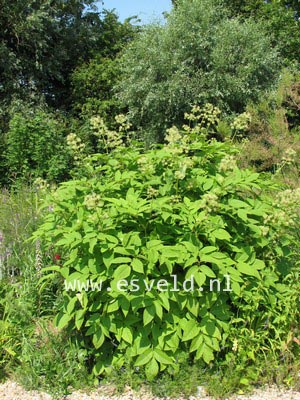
(106, 202)
(36, 147)
(199, 56)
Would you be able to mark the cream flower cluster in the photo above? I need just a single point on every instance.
(122, 121)
(289, 198)
(228, 163)
(210, 202)
(241, 122)
(288, 204)
(289, 156)
(145, 166)
(111, 139)
(235, 345)
(208, 115)
(98, 126)
(173, 135)
(182, 168)
(75, 144)
(264, 230)
(92, 201)
(41, 184)
(278, 218)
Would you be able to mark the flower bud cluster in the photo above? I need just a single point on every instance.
(241, 122)
(210, 202)
(289, 156)
(145, 165)
(175, 199)
(173, 135)
(92, 201)
(151, 192)
(228, 163)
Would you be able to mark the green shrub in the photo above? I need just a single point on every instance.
(272, 137)
(200, 55)
(7, 330)
(92, 88)
(36, 147)
(185, 210)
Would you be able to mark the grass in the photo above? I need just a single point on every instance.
(218, 380)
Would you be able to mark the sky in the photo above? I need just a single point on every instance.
(147, 10)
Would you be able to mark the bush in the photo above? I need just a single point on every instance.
(180, 211)
(36, 146)
(199, 56)
(92, 88)
(272, 138)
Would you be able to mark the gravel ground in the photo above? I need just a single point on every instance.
(12, 391)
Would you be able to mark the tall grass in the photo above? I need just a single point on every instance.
(19, 217)
(31, 350)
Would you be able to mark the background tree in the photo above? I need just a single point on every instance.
(281, 20)
(92, 82)
(42, 42)
(92, 85)
(200, 55)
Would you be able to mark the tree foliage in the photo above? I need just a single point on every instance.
(199, 56)
(92, 82)
(42, 42)
(93, 88)
(281, 20)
